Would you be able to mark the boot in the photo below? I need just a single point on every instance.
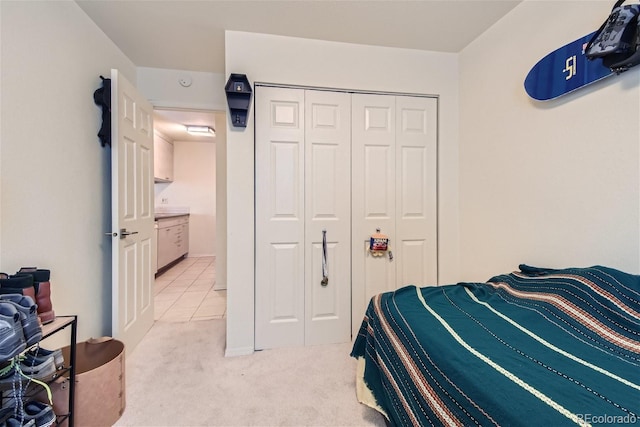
(42, 288)
(17, 284)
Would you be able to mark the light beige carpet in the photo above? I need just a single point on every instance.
(178, 376)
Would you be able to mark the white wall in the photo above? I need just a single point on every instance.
(550, 184)
(194, 186)
(163, 89)
(55, 187)
(285, 60)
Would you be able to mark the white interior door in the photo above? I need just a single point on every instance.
(132, 216)
(280, 225)
(374, 196)
(327, 208)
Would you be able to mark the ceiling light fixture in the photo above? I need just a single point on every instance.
(200, 130)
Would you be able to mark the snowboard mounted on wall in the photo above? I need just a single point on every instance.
(564, 70)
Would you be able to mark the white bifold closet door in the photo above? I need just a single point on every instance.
(394, 158)
(346, 164)
(303, 172)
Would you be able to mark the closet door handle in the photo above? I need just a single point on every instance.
(325, 269)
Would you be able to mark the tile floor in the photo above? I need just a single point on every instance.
(184, 293)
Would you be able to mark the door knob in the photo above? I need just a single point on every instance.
(124, 233)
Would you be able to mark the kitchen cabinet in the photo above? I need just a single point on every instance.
(173, 239)
(162, 159)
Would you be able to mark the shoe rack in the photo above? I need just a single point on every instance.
(60, 323)
(68, 371)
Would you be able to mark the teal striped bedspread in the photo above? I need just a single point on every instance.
(537, 347)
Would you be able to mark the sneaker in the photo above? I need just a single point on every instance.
(15, 422)
(58, 358)
(39, 412)
(10, 416)
(20, 372)
(7, 411)
(38, 367)
(31, 414)
(28, 316)
(12, 340)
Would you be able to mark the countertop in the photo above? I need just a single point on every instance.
(165, 215)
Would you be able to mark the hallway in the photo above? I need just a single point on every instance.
(185, 293)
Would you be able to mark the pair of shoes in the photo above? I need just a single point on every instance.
(32, 282)
(38, 367)
(21, 371)
(12, 341)
(28, 316)
(42, 290)
(17, 284)
(42, 353)
(9, 418)
(39, 412)
(24, 284)
(15, 422)
(31, 414)
(19, 325)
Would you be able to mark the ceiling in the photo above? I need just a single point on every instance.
(171, 124)
(189, 35)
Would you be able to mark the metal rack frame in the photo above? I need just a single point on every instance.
(60, 323)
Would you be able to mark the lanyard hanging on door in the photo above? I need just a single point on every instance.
(325, 269)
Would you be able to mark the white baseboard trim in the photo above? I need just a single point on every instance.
(241, 351)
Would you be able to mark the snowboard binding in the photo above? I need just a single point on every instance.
(617, 41)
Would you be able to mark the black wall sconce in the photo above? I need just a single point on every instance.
(238, 91)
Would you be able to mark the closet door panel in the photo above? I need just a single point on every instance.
(374, 198)
(378, 178)
(286, 261)
(324, 174)
(328, 209)
(284, 206)
(280, 247)
(412, 268)
(416, 208)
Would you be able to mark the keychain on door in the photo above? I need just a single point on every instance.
(379, 245)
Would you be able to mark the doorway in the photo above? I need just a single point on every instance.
(192, 186)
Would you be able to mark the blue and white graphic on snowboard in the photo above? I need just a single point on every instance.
(564, 70)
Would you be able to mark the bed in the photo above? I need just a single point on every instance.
(534, 347)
